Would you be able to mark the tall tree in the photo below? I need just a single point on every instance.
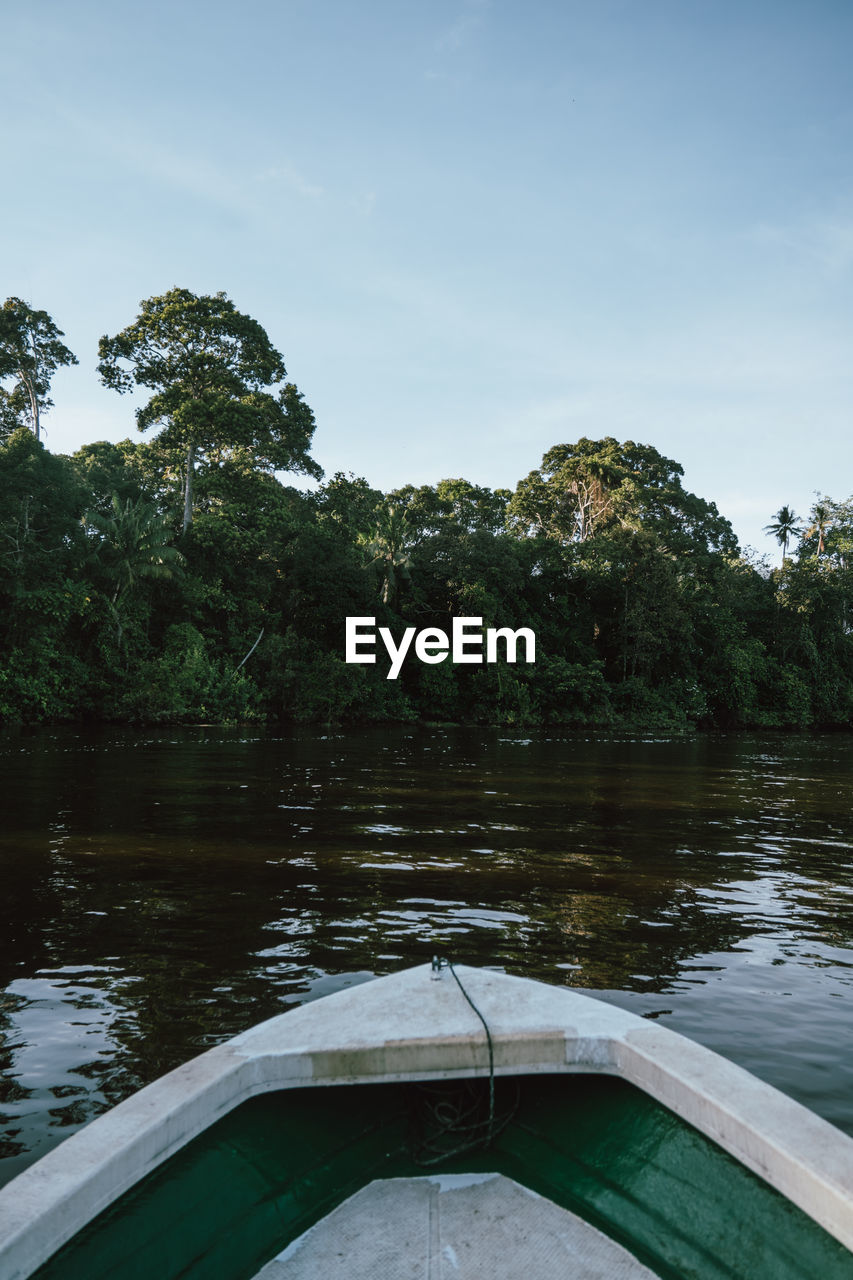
(30, 354)
(210, 368)
(577, 490)
(821, 519)
(784, 526)
(586, 489)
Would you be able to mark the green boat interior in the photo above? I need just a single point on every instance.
(261, 1176)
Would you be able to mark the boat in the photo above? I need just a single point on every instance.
(443, 1121)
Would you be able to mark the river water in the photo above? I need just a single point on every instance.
(162, 890)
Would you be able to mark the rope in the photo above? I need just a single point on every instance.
(447, 1117)
(491, 1051)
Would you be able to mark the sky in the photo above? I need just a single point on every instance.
(474, 228)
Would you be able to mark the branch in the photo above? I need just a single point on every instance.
(249, 654)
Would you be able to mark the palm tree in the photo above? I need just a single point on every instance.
(386, 548)
(785, 524)
(821, 520)
(133, 544)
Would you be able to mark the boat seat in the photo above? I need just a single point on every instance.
(452, 1227)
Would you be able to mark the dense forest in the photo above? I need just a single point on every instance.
(177, 579)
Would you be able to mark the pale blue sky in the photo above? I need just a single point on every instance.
(474, 228)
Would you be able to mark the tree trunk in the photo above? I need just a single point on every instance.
(34, 403)
(188, 488)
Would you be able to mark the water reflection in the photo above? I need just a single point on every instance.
(163, 891)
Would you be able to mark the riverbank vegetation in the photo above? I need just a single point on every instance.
(181, 579)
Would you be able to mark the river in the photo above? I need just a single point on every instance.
(163, 889)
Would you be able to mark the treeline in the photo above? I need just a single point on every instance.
(178, 580)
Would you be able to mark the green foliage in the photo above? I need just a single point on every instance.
(784, 526)
(44, 605)
(131, 545)
(385, 550)
(349, 503)
(304, 684)
(502, 695)
(594, 486)
(30, 354)
(122, 470)
(33, 690)
(437, 692)
(573, 693)
(186, 682)
(209, 367)
(644, 613)
(452, 507)
(795, 700)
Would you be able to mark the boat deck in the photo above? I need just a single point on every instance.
(452, 1227)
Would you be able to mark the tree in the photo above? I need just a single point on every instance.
(126, 470)
(785, 525)
(348, 502)
(43, 603)
(209, 367)
(821, 517)
(386, 550)
(451, 505)
(134, 544)
(575, 492)
(587, 489)
(30, 353)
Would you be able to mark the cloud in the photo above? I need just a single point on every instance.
(148, 158)
(458, 34)
(293, 180)
(150, 162)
